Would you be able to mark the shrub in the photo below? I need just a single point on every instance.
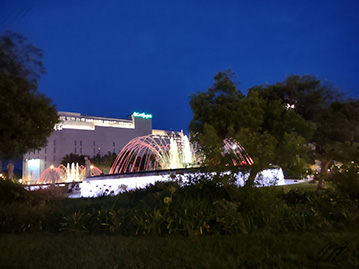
(12, 192)
(347, 180)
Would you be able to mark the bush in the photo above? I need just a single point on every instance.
(12, 192)
(347, 180)
(166, 208)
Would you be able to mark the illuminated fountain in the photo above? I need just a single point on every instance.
(158, 155)
(240, 156)
(68, 173)
(53, 175)
(74, 172)
(153, 152)
(95, 171)
(160, 152)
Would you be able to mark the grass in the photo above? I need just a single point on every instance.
(292, 226)
(237, 251)
(305, 186)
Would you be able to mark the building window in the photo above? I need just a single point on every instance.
(114, 150)
(113, 144)
(75, 150)
(75, 142)
(80, 142)
(45, 159)
(54, 150)
(55, 142)
(45, 150)
(38, 151)
(94, 151)
(81, 150)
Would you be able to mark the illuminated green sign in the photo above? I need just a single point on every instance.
(142, 115)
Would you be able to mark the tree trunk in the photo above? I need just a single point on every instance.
(252, 176)
(323, 174)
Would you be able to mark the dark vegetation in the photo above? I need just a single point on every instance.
(289, 124)
(210, 214)
(104, 162)
(27, 117)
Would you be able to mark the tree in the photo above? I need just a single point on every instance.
(73, 158)
(27, 117)
(335, 118)
(270, 133)
(104, 162)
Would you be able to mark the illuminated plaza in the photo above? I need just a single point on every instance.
(87, 136)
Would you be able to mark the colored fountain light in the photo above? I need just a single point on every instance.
(53, 175)
(69, 173)
(158, 152)
(153, 152)
(240, 155)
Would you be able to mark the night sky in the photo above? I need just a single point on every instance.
(111, 58)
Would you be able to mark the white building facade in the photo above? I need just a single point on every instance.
(84, 135)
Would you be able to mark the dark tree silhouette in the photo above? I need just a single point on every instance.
(27, 117)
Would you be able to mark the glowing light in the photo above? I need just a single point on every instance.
(142, 115)
(174, 157)
(82, 123)
(69, 173)
(289, 106)
(188, 156)
(158, 152)
(33, 170)
(113, 185)
(152, 152)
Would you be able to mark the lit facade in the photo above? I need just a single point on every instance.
(84, 135)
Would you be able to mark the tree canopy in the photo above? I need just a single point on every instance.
(104, 162)
(271, 133)
(335, 118)
(27, 117)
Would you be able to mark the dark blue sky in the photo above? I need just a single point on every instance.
(110, 58)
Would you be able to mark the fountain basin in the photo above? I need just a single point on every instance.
(114, 184)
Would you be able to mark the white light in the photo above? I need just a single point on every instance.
(288, 106)
(113, 186)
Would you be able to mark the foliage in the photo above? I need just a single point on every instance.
(347, 181)
(249, 227)
(199, 207)
(27, 117)
(104, 162)
(11, 192)
(335, 119)
(252, 227)
(269, 132)
(75, 222)
(73, 158)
